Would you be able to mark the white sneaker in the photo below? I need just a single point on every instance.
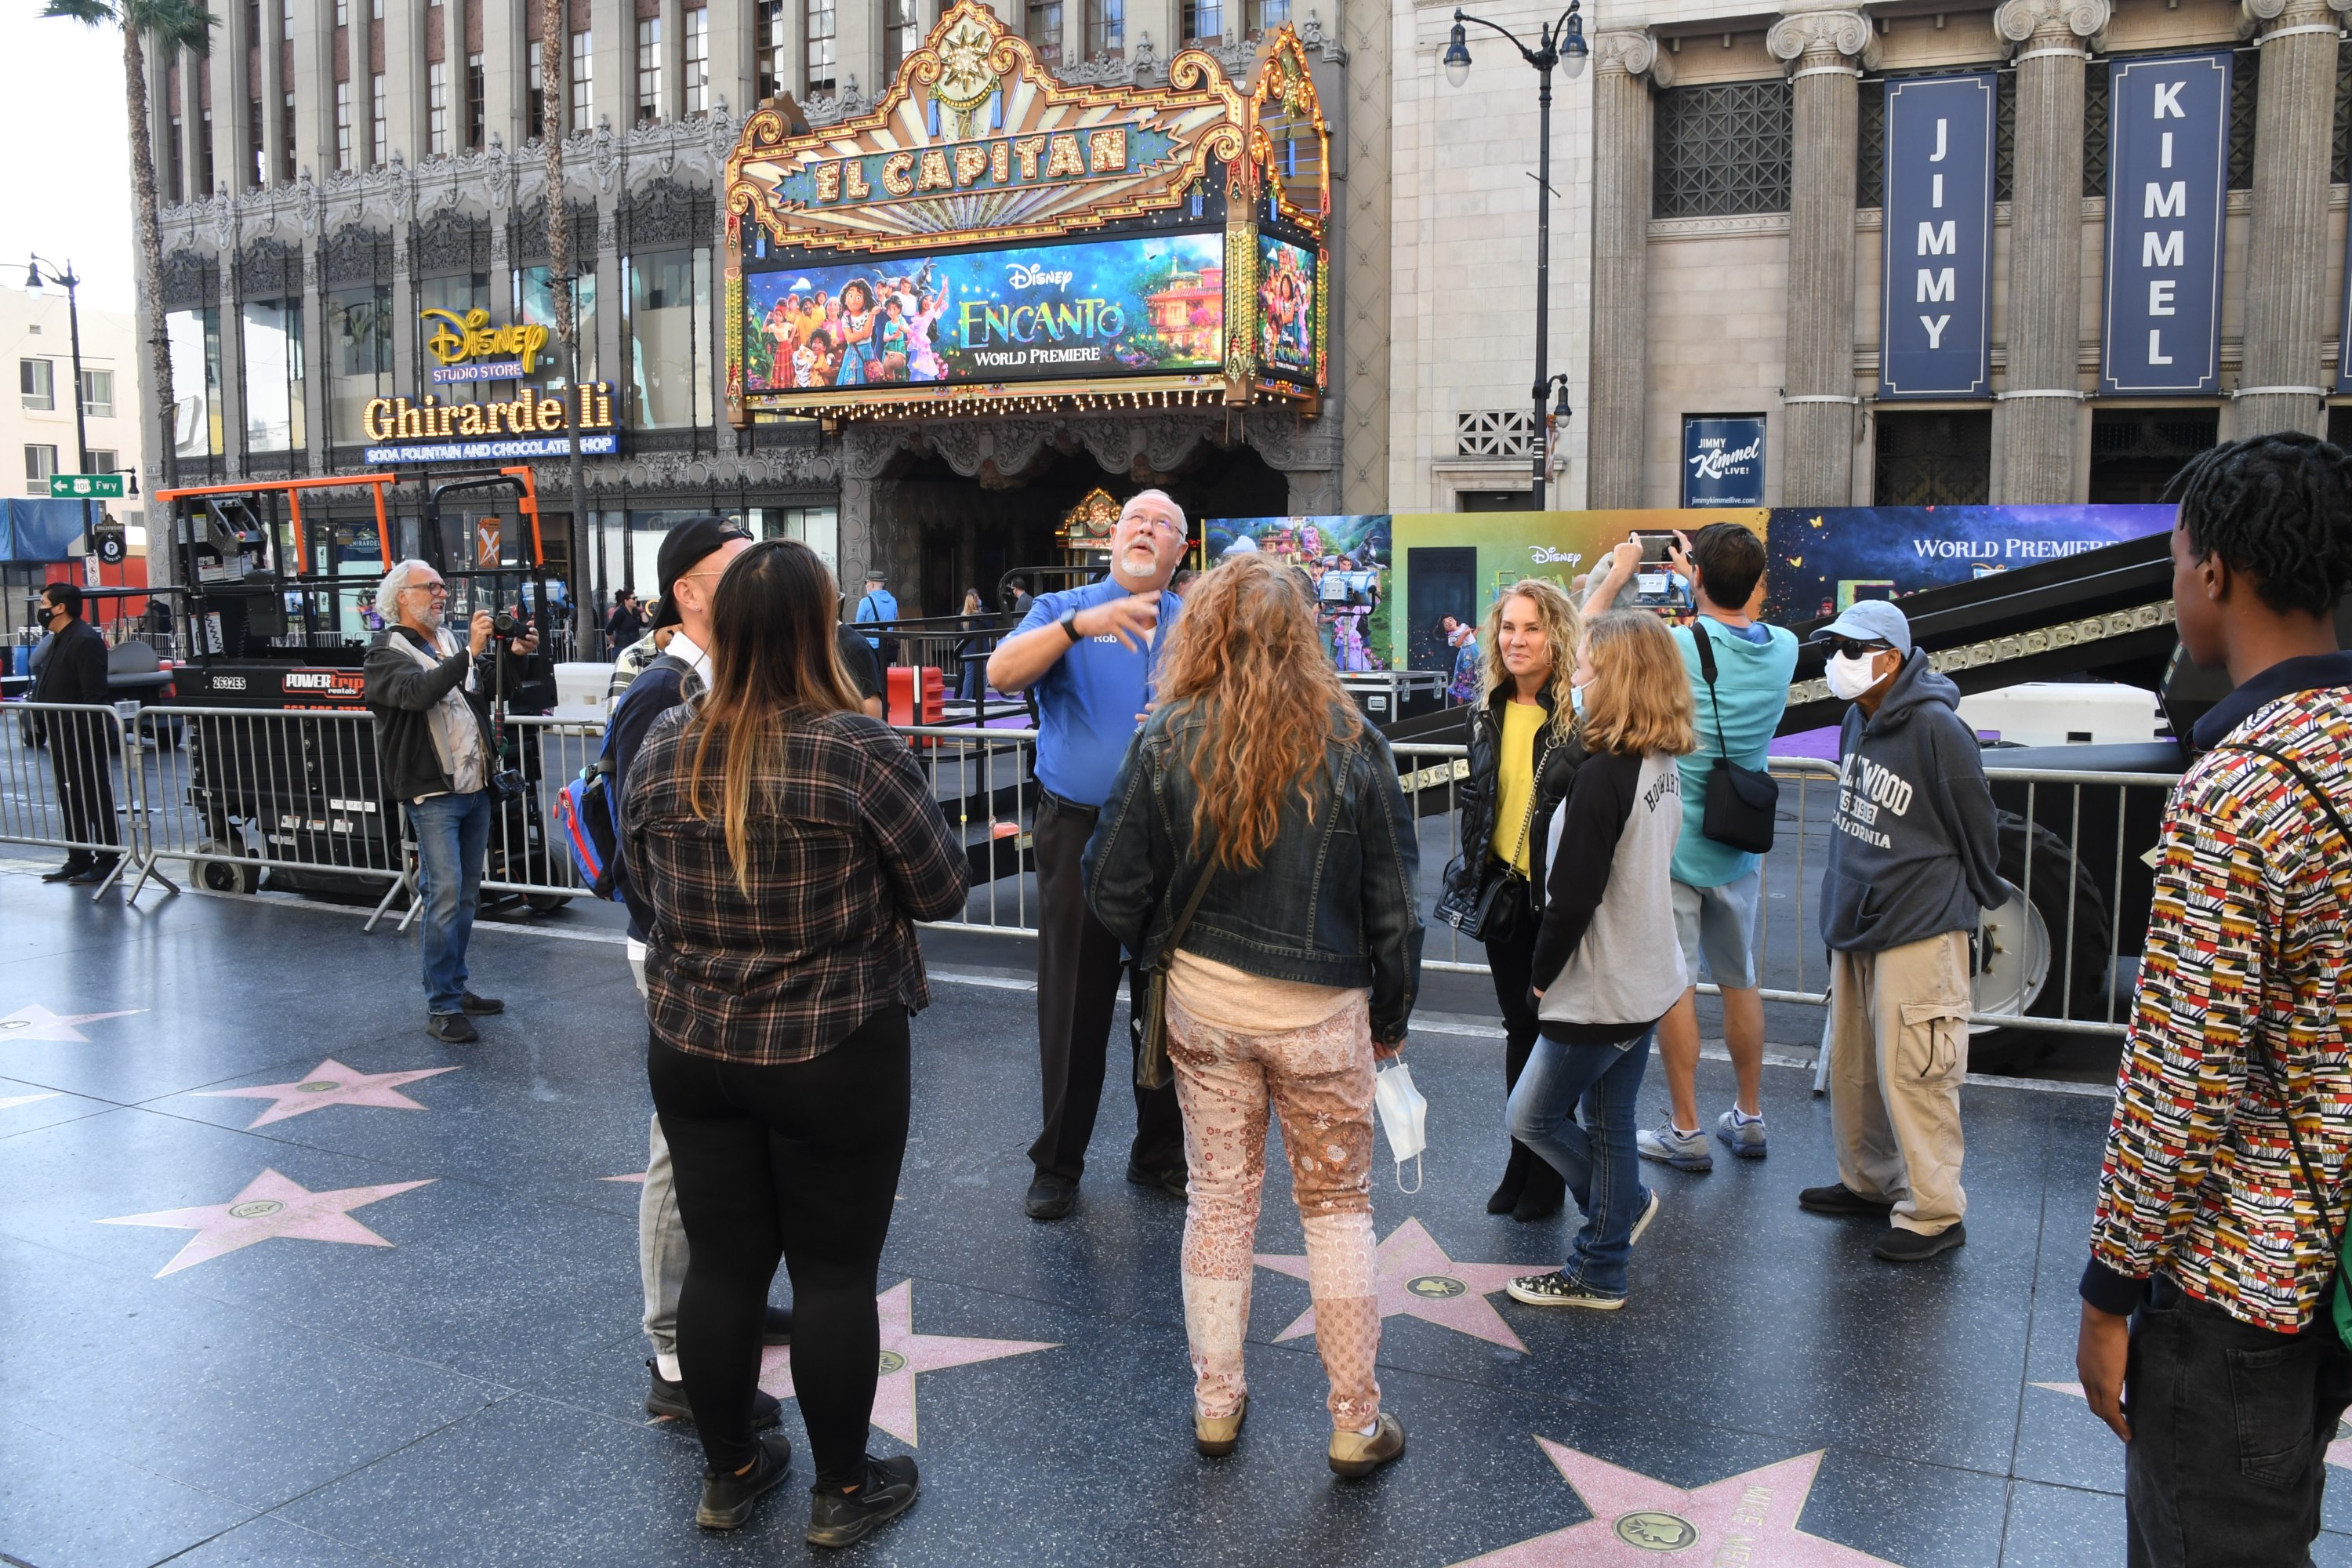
(1642, 1221)
(1743, 1138)
(1670, 1145)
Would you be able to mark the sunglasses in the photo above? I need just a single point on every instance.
(1846, 647)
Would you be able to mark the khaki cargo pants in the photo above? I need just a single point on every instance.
(1898, 1050)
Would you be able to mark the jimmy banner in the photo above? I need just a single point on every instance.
(1346, 559)
(1149, 303)
(1935, 314)
(2167, 177)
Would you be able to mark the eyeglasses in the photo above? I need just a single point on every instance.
(430, 590)
(1847, 647)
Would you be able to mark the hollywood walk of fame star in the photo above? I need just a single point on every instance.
(34, 1022)
(2339, 1452)
(269, 1205)
(329, 1083)
(637, 1176)
(905, 1353)
(26, 1098)
(1418, 1281)
(1750, 1518)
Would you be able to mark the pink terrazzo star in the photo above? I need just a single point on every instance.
(1749, 1518)
(34, 1022)
(1418, 1281)
(2339, 1452)
(7, 1101)
(269, 1205)
(329, 1083)
(637, 1176)
(905, 1353)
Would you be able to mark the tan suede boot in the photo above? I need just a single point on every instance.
(1353, 1453)
(1215, 1436)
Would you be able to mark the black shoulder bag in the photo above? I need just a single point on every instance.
(2338, 1303)
(1740, 802)
(1478, 896)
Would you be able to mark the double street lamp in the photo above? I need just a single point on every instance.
(1561, 47)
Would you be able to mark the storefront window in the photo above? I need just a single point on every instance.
(818, 527)
(359, 357)
(534, 288)
(670, 331)
(273, 375)
(195, 344)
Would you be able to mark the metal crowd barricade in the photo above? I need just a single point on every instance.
(981, 778)
(235, 792)
(69, 782)
(527, 853)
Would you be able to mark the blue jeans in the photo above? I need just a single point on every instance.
(453, 834)
(1597, 1158)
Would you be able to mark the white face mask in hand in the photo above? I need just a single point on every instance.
(1851, 675)
(1404, 1116)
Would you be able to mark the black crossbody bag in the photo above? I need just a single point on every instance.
(1486, 908)
(1741, 802)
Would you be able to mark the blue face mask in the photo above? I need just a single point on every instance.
(1575, 699)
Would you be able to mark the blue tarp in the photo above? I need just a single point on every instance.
(43, 530)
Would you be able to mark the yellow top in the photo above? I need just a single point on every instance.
(1515, 784)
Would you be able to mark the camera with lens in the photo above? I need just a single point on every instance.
(507, 625)
(507, 784)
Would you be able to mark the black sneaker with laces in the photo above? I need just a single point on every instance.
(1901, 1246)
(1838, 1199)
(837, 1518)
(451, 1028)
(668, 1399)
(728, 1498)
(482, 1007)
(1050, 1196)
(1171, 1181)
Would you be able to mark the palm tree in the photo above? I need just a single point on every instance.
(555, 37)
(173, 25)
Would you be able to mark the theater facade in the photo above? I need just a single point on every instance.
(928, 329)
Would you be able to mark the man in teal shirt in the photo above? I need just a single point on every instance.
(1718, 890)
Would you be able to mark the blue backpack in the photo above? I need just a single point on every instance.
(588, 809)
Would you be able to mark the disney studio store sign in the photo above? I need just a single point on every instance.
(477, 424)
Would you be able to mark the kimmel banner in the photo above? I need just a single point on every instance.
(2168, 172)
(1934, 332)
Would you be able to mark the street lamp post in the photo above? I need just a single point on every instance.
(65, 278)
(1561, 47)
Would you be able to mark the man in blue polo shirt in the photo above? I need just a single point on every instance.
(1088, 655)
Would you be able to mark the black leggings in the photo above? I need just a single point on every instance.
(799, 1161)
(1511, 959)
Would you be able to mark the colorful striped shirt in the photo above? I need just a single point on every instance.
(2242, 995)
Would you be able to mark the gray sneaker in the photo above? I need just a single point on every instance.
(1670, 1145)
(1745, 1139)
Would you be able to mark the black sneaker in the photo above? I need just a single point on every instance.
(776, 1328)
(1556, 1289)
(668, 1399)
(1838, 1199)
(1050, 1196)
(727, 1498)
(482, 1007)
(1901, 1246)
(838, 1518)
(1171, 1181)
(451, 1028)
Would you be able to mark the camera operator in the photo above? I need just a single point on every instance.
(433, 740)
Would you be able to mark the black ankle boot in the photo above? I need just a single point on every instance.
(1506, 1197)
(1543, 1196)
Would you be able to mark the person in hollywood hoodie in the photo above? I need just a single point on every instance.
(1915, 858)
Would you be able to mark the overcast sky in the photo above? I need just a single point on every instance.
(68, 181)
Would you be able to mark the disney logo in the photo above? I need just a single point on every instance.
(1544, 555)
(1716, 464)
(1027, 275)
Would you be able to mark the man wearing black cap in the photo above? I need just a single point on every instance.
(693, 557)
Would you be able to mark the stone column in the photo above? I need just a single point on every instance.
(1817, 391)
(1618, 403)
(2040, 414)
(2279, 385)
(672, 61)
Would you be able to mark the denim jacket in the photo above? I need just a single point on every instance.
(1332, 903)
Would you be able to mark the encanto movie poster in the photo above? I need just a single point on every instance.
(1346, 560)
(1111, 307)
(1285, 299)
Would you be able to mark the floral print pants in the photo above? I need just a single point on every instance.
(1319, 1080)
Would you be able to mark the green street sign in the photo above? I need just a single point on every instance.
(85, 487)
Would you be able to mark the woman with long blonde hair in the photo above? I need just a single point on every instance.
(786, 843)
(1607, 965)
(1258, 829)
(1522, 754)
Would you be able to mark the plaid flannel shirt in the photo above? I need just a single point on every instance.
(2247, 940)
(849, 850)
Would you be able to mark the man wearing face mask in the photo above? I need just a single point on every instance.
(1915, 858)
(1089, 654)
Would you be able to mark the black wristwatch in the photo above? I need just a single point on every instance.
(1069, 625)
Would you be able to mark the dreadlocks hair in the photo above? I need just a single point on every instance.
(2277, 508)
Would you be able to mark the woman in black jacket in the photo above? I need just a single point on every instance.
(1523, 755)
(1256, 799)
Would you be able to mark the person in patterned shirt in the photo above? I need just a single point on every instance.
(2206, 1341)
